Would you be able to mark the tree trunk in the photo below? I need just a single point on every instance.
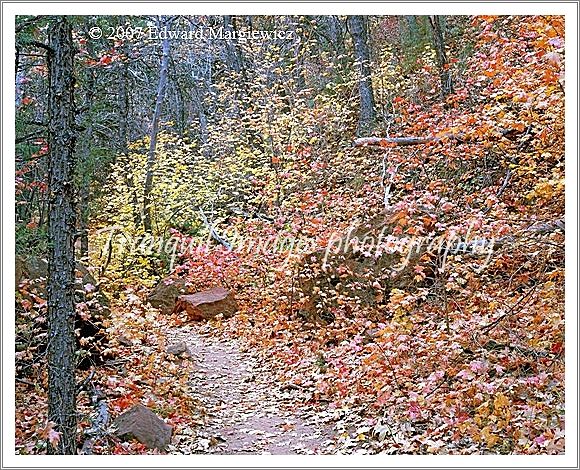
(154, 130)
(123, 96)
(83, 165)
(197, 100)
(357, 26)
(61, 229)
(298, 69)
(335, 33)
(233, 56)
(123, 144)
(412, 27)
(439, 43)
(84, 197)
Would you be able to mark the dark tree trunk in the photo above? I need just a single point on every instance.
(357, 26)
(197, 100)
(61, 229)
(84, 165)
(181, 113)
(123, 100)
(154, 130)
(298, 54)
(412, 27)
(439, 43)
(123, 110)
(84, 196)
(123, 97)
(233, 55)
(84, 222)
(335, 33)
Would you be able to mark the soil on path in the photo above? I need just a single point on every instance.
(246, 411)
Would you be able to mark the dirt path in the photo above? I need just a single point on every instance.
(248, 413)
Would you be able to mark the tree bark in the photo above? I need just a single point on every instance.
(357, 26)
(155, 129)
(61, 229)
(439, 43)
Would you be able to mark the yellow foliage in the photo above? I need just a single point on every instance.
(546, 189)
(489, 437)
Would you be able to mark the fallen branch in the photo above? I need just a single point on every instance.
(24, 381)
(83, 385)
(32, 136)
(212, 230)
(100, 419)
(510, 134)
(479, 246)
(404, 141)
(547, 227)
(511, 310)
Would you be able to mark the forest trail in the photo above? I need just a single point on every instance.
(245, 411)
